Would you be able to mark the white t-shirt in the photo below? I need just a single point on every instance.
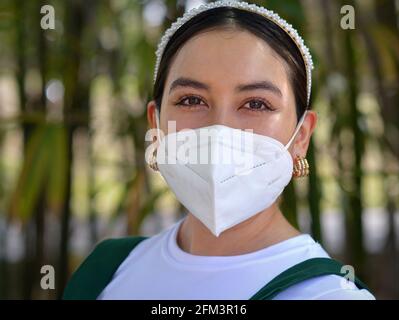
(157, 268)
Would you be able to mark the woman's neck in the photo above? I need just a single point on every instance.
(260, 231)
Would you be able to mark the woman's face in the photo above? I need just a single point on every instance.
(234, 78)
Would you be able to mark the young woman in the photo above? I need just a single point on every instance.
(227, 66)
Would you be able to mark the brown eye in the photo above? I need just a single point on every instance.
(190, 101)
(256, 104)
(259, 105)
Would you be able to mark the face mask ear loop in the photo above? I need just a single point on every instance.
(296, 130)
(157, 124)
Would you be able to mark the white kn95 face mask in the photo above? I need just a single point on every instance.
(222, 175)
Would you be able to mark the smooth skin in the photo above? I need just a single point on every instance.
(221, 61)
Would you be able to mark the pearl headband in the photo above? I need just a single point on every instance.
(274, 17)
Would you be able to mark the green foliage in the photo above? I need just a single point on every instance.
(43, 170)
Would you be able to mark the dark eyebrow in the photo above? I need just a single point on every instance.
(187, 82)
(264, 85)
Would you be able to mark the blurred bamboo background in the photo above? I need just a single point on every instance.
(73, 121)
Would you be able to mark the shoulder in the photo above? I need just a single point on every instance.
(112, 249)
(98, 267)
(327, 287)
(324, 287)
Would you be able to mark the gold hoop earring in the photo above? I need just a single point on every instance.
(301, 167)
(153, 161)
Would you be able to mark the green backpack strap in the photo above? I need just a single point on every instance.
(96, 271)
(302, 271)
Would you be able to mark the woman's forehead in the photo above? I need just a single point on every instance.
(229, 56)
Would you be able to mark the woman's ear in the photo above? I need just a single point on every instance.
(151, 114)
(301, 144)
